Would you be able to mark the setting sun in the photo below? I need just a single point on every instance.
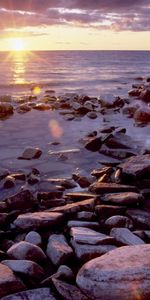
(17, 44)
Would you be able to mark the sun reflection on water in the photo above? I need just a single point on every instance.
(19, 60)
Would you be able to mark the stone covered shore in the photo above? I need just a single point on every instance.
(87, 237)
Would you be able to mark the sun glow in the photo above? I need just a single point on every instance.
(17, 44)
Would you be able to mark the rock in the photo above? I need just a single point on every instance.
(27, 251)
(142, 115)
(21, 200)
(88, 236)
(64, 272)
(41, 106)
(125, 237)
(38, 220)
(139, 217)
(126, 198)
(38, 294)
(86, 216)
(58, 249)
(102, 171)
(9, 182)
(34, 238)
(26, 268)
(145, 95)
(19, 176)
(106, 211)
(108, 101)
(86, 252)
(120, 141)
(81, 180)
(87, 224)
(79, 196)
(6, 109)
(23, 108)
(94, 144)
(119, 221)
(3, 220)
(130, 110)
(136, 167)
(68, 291)
(31, 153)
(54, 193)
(92, 115)
(122, 273)
(102, 188)
(9, 283)
(33, 179)
(75, 207)
(3, 173)
(134, 93)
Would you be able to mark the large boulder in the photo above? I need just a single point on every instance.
(136, 167)
(120, 274)
(9, 283)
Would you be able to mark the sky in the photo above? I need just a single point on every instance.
(75, 24)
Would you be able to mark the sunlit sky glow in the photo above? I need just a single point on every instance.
(74, 24)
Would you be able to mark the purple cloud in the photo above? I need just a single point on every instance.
(116, 15)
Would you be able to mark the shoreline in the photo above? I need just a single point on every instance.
(77, 193)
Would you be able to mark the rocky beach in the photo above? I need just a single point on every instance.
(75, 196)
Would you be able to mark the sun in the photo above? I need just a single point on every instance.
(17, 44)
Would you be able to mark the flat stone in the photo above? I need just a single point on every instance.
(137, 166)
(102, 188)
(106, 211)
(38, 294)
(86, 252)
(84, 235)
(38, 220)
(140, 217)
(24, 250)
(9, 283)
(120, 141)
(21, 200)
(119, 221)
(25, 267)
(94, 144)
(68, 291)
(76, 223)
(31, 153)
(79, 196)
(127, 198)
(123, 273)
(75, 207)
(58, 250)
(124, 236)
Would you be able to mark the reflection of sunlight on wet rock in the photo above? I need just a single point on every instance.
(55, 129)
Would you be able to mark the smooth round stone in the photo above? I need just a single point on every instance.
(33, 237)
(121, 274)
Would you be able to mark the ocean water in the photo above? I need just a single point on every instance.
(91, 72)
(88, 72)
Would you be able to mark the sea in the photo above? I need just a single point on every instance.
(83, 72)
(93, 73)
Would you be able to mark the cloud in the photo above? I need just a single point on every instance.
(117, 15)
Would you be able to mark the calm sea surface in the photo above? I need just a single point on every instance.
(90, 72)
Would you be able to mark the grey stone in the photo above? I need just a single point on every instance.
(9, 283)
(34, 237)
(102, 188)
(38, 220)
(137, 166)
(124, 236)
(127, 198)
(84, 235)
(140, 217)
(86, 252)
(25, 267)
(37, 294)
(119, 221)
(68, 291)
(58, 249)
(25, 250)
(123, 273)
